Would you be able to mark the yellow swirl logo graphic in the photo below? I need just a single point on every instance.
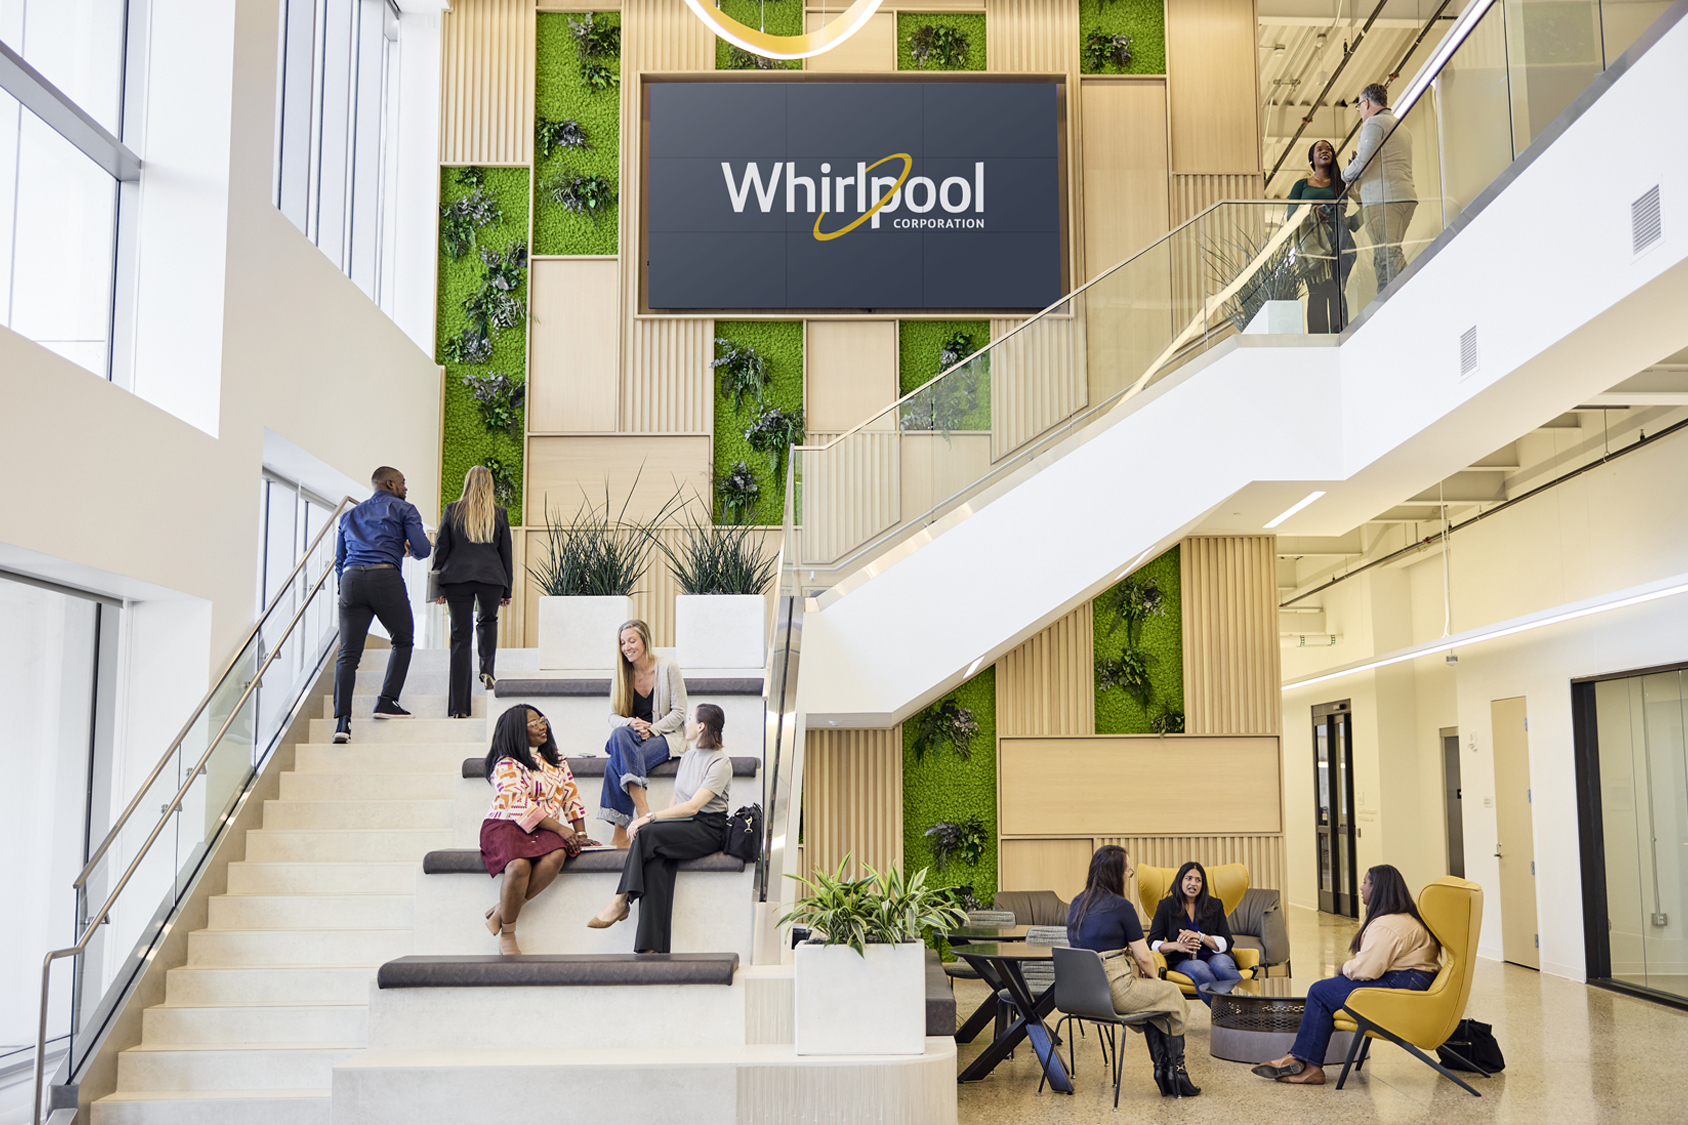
(908, 166)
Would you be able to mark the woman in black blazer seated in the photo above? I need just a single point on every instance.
(1190, 931)
(472, 556)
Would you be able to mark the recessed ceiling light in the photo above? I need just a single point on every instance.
(1302, 503)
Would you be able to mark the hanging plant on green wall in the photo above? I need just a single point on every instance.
(738, 491)
(500, 399)
(948, 724)
(497, 304)
(1128, 670)
(503, 480)
(1133, 602)
(1167, 722)
(582, 193)
(743, 370)
(560, 135)
(940, 44)
(468, 346)
(774, 432)
(1103, 50)
(599, 42)
(462, 217)
(943, 405)
(951, 841)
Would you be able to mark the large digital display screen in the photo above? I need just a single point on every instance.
(853, 195)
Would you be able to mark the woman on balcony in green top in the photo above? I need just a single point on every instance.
(1324, 244)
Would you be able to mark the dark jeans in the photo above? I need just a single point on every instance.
(1318, 1019)
(649, 873)
(463, 598)
(364, 596)
(630, 761)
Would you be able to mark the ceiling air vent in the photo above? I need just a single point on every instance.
(1468, 351)
(1646, 224)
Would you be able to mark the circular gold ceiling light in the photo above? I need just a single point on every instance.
(804, 46)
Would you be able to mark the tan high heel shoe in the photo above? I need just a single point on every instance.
(493, 922)
(507, 941)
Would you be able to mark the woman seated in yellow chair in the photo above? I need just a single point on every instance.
(1190, 931)
(1394, 949)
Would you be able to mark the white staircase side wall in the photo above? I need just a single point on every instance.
(1563, 311)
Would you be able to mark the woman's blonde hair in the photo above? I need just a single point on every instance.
(476, 514)
(621, 687)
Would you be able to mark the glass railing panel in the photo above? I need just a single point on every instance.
(1553, 52)
(1623, 21)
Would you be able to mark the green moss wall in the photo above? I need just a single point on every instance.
(970, 24)
(918, 344)
(559, 96)
(781, 342)
(466, 442)
(943, 787)
(1117, 712)
(777, 17)
(1143, 20)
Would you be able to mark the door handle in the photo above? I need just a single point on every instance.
(1497, 849)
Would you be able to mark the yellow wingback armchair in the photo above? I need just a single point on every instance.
(1422, 1021)
(1229, 883)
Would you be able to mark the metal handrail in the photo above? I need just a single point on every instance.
(187, 728)
(93, 922)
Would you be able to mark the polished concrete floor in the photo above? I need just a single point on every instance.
(1574, 1054)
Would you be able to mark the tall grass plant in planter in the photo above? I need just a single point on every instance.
(860, 980)
(587, 573)
(720, 616)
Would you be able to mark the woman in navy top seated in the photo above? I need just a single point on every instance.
(1190, 931)
(1101, 919)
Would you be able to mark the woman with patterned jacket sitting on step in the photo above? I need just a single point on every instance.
(524, 835)
(690, 828)
(647, 710)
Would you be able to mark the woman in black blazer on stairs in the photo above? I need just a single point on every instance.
(472, 556)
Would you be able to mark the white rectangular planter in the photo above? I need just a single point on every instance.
(720, 630)
(850, 1004)
(1278, 318)
(578, 634)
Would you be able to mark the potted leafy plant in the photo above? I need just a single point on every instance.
(587, 574)
(860, 979)
(720, 615)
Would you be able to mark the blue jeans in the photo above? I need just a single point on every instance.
(1218, 967)
(630, 764)
(1318, 1019)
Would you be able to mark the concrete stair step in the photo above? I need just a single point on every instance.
(362, 778)
(215, 1107)
(310, 912)
(270, 948)
(415, 730)
(251, 878)
(383, 757)
(343, 845)
(418, 682)
(175, 1024)
(382, 813)
(429, 705)
(210, 1066)
(192, 985)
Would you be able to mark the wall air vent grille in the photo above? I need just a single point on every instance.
(1468, 351)
(1646, 223)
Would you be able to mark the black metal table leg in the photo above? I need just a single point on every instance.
(1028, 1024)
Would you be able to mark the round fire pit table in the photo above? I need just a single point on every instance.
(1257, 1020)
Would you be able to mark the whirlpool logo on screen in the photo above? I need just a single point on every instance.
(870, 198)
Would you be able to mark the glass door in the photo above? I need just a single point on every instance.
(1333, 809)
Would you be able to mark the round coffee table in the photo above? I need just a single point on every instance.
(1257, 1020)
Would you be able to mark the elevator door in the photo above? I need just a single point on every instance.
(1333, 809)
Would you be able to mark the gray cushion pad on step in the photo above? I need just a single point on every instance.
(594, 767)
(559, 685)
(556, 970)
(467, 861)
(940, 998)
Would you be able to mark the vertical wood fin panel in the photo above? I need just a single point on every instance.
(853, 799)
(1032, 36)
(1230, 628)
(668, 383)
(1046, 685)
(1191, 195)
(1262, 855)
(1035, 383)
(851, 491)
(486, 82)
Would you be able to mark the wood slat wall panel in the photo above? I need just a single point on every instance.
(1211, 64)
(668, 383)
(851, 372)
(1032, 36)
(1230, 628)
(572, 470)
(1262, 855)
(936, 468)
(1058, 865)
(851, 491)
(1191, 195)
(871, 50)
(1034, 381)
(853, 798)
(1045, 687)
(486, 82)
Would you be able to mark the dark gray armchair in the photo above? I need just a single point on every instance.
(1258, 923)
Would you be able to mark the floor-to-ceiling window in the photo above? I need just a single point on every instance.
(1633, 776)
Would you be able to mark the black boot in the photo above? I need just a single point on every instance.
(1180, 1078)
(1155, 1038)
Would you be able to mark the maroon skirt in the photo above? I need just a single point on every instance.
(504, 840)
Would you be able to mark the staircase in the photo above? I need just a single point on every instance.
(275, 991)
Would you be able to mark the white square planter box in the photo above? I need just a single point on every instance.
(720, 630)
(1278, 318)
(578, 634)
(849, 1004)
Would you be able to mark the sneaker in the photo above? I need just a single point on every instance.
(343, 731)
(387, 709)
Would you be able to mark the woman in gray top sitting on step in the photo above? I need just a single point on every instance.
(692, 827)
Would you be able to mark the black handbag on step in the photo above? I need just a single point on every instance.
(742, 838)
(1472, 1043)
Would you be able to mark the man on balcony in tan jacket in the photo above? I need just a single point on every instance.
(1387, 195)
